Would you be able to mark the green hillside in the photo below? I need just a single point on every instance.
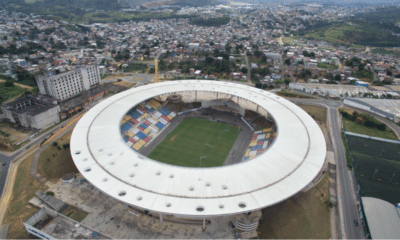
(359, 34)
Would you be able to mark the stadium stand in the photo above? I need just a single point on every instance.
(259, 143)
(144, 122)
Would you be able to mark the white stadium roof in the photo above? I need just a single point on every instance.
(289, 164)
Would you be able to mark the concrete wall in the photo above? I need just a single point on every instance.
(85, 79)
(8, 114)
(42, 214)
(39, 82)
(45, 119)
(203, 96)
(207, 104)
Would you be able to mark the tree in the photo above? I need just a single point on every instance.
(257, 53)
(212, 43)
(209, 60)
(349, 63)
(228, 48)
(244, 70)
(389, 73)
(9, 84)
(287, 61)
(287, 81)
(264, 59)
(338, 77)
(179, 45)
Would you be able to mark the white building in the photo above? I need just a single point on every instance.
(38, 112)
(66, 85)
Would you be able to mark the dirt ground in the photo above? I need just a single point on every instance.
(55, 162)
(20, 85)
(303, 216)
(15, 135)
(319, 113)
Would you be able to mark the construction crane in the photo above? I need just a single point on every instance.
(156, 69)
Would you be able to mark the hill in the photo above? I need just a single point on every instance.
(359, 34)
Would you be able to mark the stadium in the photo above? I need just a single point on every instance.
(110, 143)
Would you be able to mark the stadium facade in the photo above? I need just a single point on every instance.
(293, 161)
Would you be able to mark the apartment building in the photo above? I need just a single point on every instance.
(65, 85)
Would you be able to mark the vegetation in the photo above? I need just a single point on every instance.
(75, 213)
(360, 34)
(286, 93)
(56, 161)
(383, 18)
(136, 67)
(7, 93)
(197, 143)
(366, 124)
(326, 65)
(28, 48)
(384, 51)
(318, 113)
(211, 22)
(19, 210)
(60, 9)
(303, 216)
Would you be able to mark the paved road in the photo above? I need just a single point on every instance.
(349, 208)
(8, 157)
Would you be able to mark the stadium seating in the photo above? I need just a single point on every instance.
(145, 120)
(259, 143)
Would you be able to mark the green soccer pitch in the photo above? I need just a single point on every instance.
(197, 143)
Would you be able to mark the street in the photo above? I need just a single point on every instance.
(346, 192)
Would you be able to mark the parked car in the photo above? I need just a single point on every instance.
(356, 223)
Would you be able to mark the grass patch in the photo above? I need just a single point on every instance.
(197, 141)
(19, 210)
(7, 93)
(136, 67)
(358, 128)
(75, 213)
(55, 161)
(326, 65)
(318, 113)
(286, 93)
(303, 216)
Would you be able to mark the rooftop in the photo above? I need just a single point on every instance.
(104, 159)
(31, 105)
(383, 218)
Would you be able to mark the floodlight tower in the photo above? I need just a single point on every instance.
(156, 69)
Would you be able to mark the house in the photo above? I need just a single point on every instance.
(254, 65)
(197, 73)
(361, 83)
